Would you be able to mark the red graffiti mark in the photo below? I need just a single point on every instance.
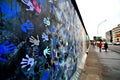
(37, 7)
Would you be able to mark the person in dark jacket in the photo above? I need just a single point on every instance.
(106, 46)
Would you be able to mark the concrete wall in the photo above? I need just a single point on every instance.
(40, 40)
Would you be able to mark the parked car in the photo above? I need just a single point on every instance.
(109, 43)
(117, 43)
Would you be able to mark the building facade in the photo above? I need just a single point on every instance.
(109, 36)
(116, 33)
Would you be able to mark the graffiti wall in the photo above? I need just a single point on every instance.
(39, 39)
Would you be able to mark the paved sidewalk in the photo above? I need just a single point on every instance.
(93, 68)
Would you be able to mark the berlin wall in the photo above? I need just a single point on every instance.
(40, 40)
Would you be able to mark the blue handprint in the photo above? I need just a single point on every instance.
(43, 2)
(47, 21)
(45, 76)
(28, 25)
(3, 59)
(52, 29)
(6, 48)
(10, 11)
(45, 37)
(52, 8)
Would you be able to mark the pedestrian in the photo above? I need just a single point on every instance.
(106, 46)
(93, 44)
(100, 45)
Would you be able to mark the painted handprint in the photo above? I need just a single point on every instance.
(10, 12)
(43, 2)
(34, 41)
(52, 29)
(27, 26)
(45, 37)
(28, 61)
(58, 13)
(28, 3)
(52, 8)
(51, 1)
(6, 48)
(37, 7)
(47, 21)
(45, 76)
(46, 51)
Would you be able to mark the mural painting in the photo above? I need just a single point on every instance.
(39, 39)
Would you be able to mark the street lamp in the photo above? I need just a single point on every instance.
(99, 25)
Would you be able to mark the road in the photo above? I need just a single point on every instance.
(115, 48)
(111, 62)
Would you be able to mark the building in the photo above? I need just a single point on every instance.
(116, 33)
(109, 36)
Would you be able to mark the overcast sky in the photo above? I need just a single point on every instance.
(99, 16)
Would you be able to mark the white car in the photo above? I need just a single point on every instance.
(117, 43)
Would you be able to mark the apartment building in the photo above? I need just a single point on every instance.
(116, 33)
(109, 36)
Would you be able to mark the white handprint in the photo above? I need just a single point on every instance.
(45, 37)
(47, 21)
(28, 3)
(27, 61)
(34, 41)
(46, 51)
(51, 1)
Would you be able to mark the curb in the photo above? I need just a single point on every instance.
(80, 67)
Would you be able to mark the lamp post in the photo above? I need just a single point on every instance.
(99, 26)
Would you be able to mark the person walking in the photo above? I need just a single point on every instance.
(100, 45)
(106, 46)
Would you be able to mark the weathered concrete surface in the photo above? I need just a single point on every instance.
(93, 68)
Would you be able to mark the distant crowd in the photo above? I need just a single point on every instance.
(101, 45)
